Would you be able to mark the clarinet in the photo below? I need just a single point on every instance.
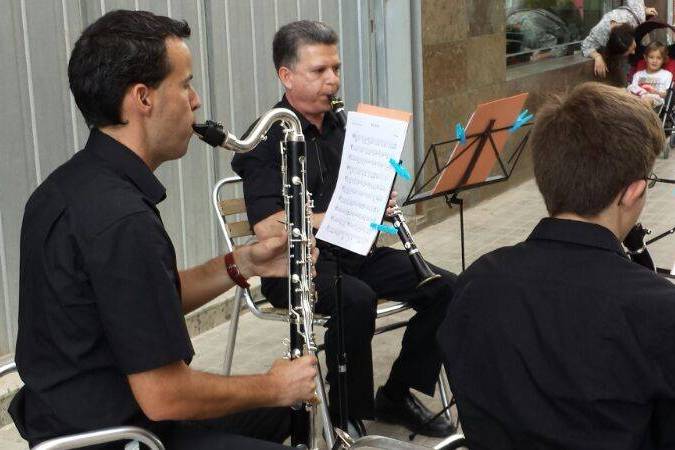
(422, 269)
(637, 249)
(301, 294)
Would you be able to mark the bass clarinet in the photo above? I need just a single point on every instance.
(422, 269)
(301, 295)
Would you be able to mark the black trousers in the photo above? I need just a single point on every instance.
(388, 273)
(259, 429)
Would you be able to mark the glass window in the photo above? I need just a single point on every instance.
(538, 29)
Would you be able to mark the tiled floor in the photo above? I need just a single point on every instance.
(500, 221)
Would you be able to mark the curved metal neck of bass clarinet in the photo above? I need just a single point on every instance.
(292, 129)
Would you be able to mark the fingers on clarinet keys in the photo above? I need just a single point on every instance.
(294, 379)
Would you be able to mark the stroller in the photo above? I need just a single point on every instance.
(644, 34)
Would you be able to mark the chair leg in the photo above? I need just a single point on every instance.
(670, 144)
(446, 395)
(232, 333)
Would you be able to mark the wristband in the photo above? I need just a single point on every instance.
(233, 271)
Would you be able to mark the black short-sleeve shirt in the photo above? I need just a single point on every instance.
(261, 168)
(99, 294)
(562, 342)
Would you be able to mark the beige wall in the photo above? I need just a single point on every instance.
(464, 64)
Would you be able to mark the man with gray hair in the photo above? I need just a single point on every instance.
(308, 64)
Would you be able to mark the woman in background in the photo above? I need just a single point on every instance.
(612, 37)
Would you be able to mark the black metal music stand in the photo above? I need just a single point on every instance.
(477, 143)
(663, 271)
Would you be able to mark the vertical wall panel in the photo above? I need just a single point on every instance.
(111, 5)
(352, 63)
(50, 83)
(220, 72)
(330, 13)
(7, 314)
(156, 6)
(231, 46)
(73, 25)
(266, 77)
(17, 164)
(309, 9)
(241, 51)
(287, 11)
(91, 10)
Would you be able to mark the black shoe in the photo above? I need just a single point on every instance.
(412, 414)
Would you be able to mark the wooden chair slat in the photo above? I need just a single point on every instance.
(240, 229)
(232, 206)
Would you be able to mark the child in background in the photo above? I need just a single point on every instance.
(652, 83)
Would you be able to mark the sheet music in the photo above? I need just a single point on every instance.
(364, 181)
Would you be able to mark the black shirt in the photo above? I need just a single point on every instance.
(561, 342)
(261, 168)
(99, 294)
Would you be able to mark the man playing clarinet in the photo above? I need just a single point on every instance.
(307, 62)
(102, 341)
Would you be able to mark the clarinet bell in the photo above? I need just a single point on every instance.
(424, 282)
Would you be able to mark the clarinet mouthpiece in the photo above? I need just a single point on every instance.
(336, 102)
(338, 107)
(210, 132)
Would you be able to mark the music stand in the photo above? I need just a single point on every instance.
(660, 270)
(473, 157)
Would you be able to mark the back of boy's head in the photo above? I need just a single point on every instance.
(657, 46)
(589, 145)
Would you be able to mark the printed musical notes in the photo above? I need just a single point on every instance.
(364, 181)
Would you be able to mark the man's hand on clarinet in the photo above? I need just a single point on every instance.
(293, 381)
(267, 258)
(391, 204)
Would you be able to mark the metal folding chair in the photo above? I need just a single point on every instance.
(103, 436)
(231, 211)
